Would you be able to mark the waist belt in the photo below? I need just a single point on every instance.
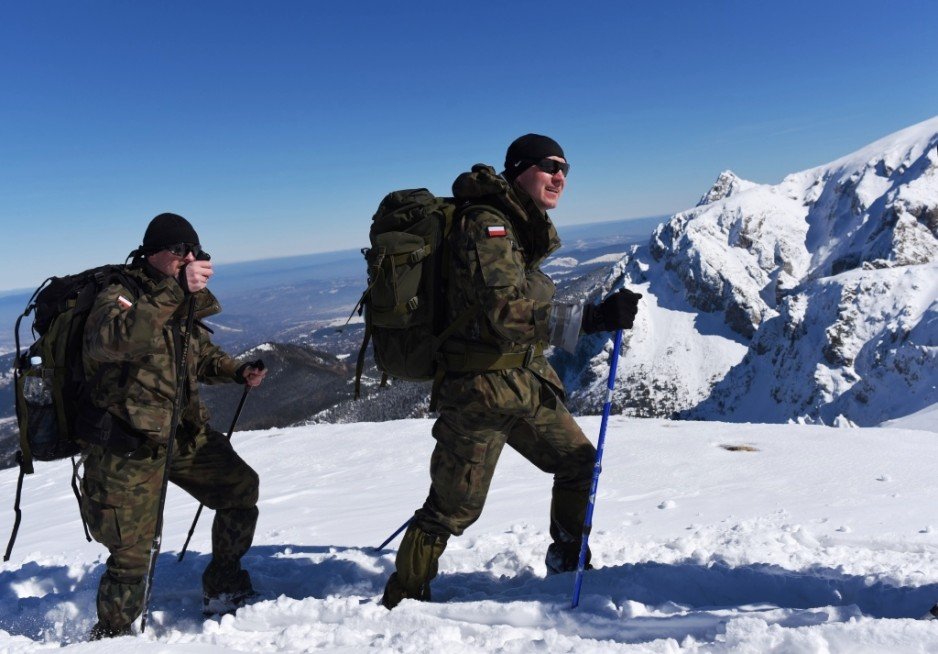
(467, 357)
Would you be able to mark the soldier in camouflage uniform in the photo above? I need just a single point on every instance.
(498, 387)
(132, 339)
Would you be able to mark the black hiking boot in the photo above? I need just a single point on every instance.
(225, 603)
(225, 589)
(416, 563)
(395, 593)
(100, 631)
(932, 613)
(565, 558)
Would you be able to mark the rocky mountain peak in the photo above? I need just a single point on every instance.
(727, 184)
(812, 300)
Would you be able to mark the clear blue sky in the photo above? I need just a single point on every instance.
(276, 127)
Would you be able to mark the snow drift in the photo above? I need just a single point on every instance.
(708, 537)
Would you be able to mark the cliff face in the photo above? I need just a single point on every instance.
(814, 299)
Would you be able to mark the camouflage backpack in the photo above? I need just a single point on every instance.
(49, 377)
(404, 303)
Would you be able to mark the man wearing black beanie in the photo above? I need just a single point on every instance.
(134, 341)
(498, 387)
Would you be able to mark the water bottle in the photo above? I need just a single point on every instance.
(42, 431)
(36, 389)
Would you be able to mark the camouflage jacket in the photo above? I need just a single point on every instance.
(130, 347)
(498, 242)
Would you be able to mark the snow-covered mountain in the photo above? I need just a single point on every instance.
(815, 299)
(708, 537)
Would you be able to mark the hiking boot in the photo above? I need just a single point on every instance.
(225, 603)
(103, 630)
(394, 593)
(933, 613)
(416, 564)
(225, 588)
(565, 558)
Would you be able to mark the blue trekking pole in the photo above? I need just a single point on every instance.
(597, 468)
(394, 535)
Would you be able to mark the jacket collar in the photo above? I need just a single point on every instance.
(482, 185)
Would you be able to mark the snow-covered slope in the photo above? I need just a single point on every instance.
(815, 299)
(795, 539)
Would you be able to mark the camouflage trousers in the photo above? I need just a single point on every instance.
(468, 444)
(120, 497)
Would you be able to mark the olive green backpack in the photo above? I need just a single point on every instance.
(49, 376)
(404, 303)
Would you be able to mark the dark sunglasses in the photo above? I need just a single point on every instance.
(182, 249)
(551, 166)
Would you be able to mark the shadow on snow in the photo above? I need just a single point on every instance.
(49, 603)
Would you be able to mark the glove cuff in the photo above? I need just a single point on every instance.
(592, 319)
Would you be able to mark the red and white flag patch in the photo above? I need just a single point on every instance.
(496, 231)
(124, 302)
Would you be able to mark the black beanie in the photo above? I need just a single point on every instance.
(527, 150)
(168, 229)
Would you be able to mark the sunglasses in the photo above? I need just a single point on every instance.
(182, 249)
(551, 166)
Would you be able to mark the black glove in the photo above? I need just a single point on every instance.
(615, 312)
(239, 373)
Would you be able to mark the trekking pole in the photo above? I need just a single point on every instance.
(394, 535)
(234, 421)
(181, 374)
(597, 468)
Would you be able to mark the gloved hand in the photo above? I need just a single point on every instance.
(615, 312)
(251, 373)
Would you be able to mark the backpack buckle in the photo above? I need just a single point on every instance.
(413, 303)
(419, 255)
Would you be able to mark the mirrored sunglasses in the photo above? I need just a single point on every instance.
(551, 166)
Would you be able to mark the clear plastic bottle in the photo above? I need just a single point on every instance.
(41, 424)
(36, 389)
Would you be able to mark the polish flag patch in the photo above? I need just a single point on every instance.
(124, 302)
(496, 231)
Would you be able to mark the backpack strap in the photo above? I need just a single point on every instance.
(360, 363)
(16, 507)
(76, 463)
(474, 357)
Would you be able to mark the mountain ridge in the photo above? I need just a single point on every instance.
(798, 273)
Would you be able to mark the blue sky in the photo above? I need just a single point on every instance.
(277, 127)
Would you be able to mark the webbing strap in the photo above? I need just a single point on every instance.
(477, 359)
(76, 463)
(360, 364)
(16, 507)
(435, 389)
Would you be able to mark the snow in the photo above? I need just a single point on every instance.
(926, 420)
(563, 262)
(605, 258)
(815, 299)
(708, 537)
